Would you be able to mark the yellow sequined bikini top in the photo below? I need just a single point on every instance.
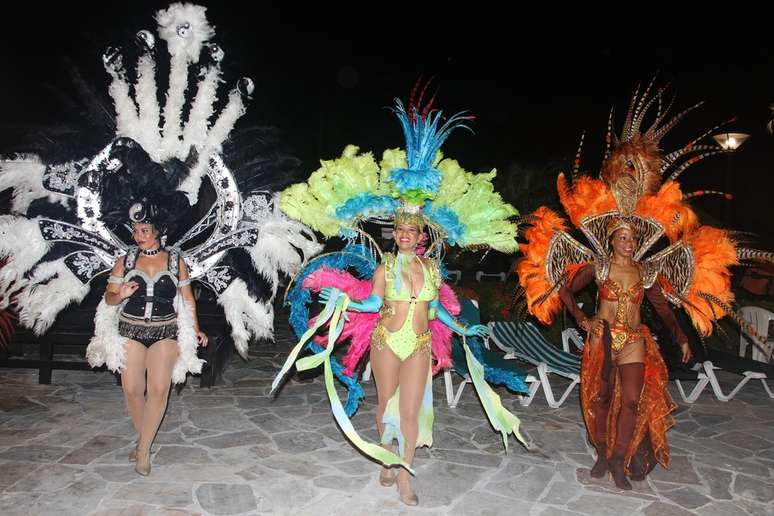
(430, 285)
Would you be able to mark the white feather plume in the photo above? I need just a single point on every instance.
(24, 173)
(195, 132)
(22, 242)
(226, 121)
(145, 92)
(247, 316)
(185, 28)
(127, 122)
(178, 83)
(192, 182)
(48, 291)
(277, 249)
(213, 143)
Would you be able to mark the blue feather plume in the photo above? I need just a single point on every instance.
(423, 139)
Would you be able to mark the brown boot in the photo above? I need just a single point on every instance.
(599, 469)
(616, 465)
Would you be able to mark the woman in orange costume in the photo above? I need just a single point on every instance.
(624, 398)
(635, 203)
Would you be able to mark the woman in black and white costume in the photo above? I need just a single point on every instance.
(146, 283)
(204, 184)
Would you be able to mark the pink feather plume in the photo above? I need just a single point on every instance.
(361, 324)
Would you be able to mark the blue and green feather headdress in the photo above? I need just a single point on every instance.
(463, 207)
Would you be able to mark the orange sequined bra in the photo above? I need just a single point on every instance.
(610, 290)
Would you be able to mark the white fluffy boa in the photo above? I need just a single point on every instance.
(107, 346)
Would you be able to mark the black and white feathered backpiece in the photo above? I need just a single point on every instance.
(231, 233)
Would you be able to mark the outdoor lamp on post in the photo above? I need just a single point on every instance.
(730, 142)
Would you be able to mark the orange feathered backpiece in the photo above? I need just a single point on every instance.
(532, 268)
(637, 182)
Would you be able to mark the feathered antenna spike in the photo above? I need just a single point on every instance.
(739, 235)
(545, 295)
(627, 127)
(744, 253)
(413, 93)
(700, 193)
(577, 162)
(679, 170)
(609, 136)
(524, 219)
(672, 157)
(660, 97)
(639, 113)
(415, 100)
(428, 110)
(707, 133)
(729, 310)
(661, 116)
(660, 133)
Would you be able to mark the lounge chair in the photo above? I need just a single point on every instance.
(524, 341)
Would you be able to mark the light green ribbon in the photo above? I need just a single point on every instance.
(333, 311)
(322, 318)
(501, 418)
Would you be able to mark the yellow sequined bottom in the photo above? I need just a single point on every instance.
(404, 342)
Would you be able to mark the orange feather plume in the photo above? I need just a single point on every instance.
(668, 207)
(586, 196)
(713, 253)
(532, 269)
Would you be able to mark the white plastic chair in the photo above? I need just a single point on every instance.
(524, 341)
(710, 368)
(571, 335)
(759, 318)
(481, 274)
(454, 275)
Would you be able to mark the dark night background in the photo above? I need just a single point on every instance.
(534, 81)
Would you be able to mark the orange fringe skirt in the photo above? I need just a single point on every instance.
(648, 445)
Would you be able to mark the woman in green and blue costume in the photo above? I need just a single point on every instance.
(405, 293)
(401, 301)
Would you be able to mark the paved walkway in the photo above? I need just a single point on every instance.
(233, 450)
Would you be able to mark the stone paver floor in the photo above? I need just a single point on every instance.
(233, 450)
